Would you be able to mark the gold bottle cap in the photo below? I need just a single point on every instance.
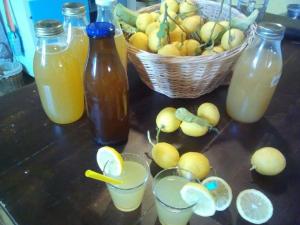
(73, 9)
(48, 28)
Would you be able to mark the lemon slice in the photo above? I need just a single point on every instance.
(220, 190)
(254, 206)
(111, 160)
(194, 193)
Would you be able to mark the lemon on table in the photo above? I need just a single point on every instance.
(220, 190)
(268, 161)
(193, 129)
(210, 112)
(167, 121)
(194, 193)
(110, 159)
(139, 40)
(196, 163)
(165, 155)
(254, 206)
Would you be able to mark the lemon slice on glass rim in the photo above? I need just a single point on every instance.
(194, 193)
(220, 190)
(109, 159)
(254, 206)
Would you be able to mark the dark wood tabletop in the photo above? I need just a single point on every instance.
(42, 164)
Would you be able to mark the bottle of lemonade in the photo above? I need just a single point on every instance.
(74, 25)
(105, 13)
(106, 86)
(256, 75)
(57, 74)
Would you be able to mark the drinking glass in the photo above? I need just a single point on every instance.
(171, 208)
(128, 195)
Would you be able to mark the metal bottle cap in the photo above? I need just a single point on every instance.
(73, 9)
(270, 30)
(48, 28)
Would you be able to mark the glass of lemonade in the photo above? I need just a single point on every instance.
(128, 195)
(171, 208)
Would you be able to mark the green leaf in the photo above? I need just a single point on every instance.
(184, 115)
(162, 33)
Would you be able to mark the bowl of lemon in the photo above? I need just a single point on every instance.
(185, 48)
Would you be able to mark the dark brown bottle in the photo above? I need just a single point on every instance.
(106, 87)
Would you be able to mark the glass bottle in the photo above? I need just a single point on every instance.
(105, 13)
(57, 74)
(106, 87)
(75, 23)
(256, 75)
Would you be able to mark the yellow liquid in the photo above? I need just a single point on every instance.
(128, 196)
(253, 85)
(78, 47)
(168, 191)
(122, 49)
(59, 84)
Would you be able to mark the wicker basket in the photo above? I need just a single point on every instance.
(188, 76)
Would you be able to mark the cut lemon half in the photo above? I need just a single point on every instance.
(109, 159)
(194, 193)
(220, 190)
(254, 206)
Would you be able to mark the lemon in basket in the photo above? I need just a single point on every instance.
(213, 51)
(143, 20)
(187, 8)
(139, 40)
(192, 24)
(177, 35)
(210, 30)
(172, 6)
(169, 50)
(154, 42)
(192, 47)
(151, 27)
(232, 38)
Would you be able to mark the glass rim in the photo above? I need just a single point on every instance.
(144, 180)
(165, 204)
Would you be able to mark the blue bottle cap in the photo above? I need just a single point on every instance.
(100, 30)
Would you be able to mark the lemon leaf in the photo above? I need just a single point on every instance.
(184, 115)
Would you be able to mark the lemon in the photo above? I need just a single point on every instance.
(181, 47)
(193, 129)
(220, 190)
(151, 27)
(187, 8)
(194, 193)
(167, 121)
(192, 24)
(232, 38)
(192, 47)
(254, 206)
(177, 35)
(206, 32)
(215, 50)
(268, 161)
(209, 112)
(225, 24)
(109, 159)
(139, 40)
(143, 20)
(169, 50)
(165, 155)
(172, 6)
(154, 42)
(196, 163)
(154, 15)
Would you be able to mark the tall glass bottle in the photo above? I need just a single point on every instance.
(57, 74)
(106, 87)
(75, 23)
(256, 75)
(105, 13)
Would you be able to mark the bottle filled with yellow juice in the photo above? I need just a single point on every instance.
(105, 13)
(57, 74)
(75, 23)
(256, 75)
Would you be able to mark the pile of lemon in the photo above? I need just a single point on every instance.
(187, 32)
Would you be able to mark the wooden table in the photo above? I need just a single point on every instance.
(42, 164)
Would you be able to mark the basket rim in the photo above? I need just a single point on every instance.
(199, 58)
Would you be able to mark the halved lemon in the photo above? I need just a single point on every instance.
(254, 206)
(111, 160)
(194, 193)
(220, 190)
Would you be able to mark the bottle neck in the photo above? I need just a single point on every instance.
(53, 44)
(74, 25)
(105, 13)
(102, 46)
(271, 44)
